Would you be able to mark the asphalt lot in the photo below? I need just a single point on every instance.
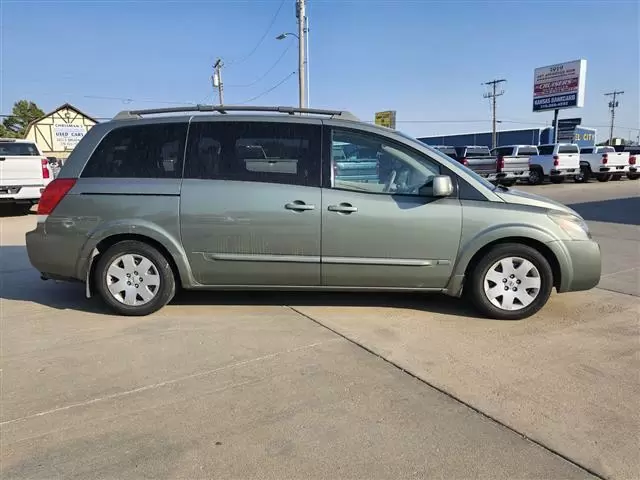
(269, 385)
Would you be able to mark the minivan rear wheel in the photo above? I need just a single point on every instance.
(512, 281)
(133, 278)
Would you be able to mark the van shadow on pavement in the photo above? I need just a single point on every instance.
(19, 281)
(617, 210)
(12, 210)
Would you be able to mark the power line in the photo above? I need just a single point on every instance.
(269, 90)
(269, 70)
(273, 20)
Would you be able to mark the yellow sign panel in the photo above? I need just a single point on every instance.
(386, 118)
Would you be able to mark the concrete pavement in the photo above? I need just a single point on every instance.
(252, 385)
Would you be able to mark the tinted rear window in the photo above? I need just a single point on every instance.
(606, 149)
(568, 149)
(255, 152)
(448, 150)
(586, 150)
(546, 149)
(527, 151)
(19, 149)
(140, 151)
(478, 152)
(505, 151)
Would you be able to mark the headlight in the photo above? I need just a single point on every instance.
(573, 225)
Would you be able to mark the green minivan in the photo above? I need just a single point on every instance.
(213, 197)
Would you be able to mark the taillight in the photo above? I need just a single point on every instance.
(500, 164)
(464, 162)
(52, 195)
(632, 160)
(605, 158)
(556, 160)
(45, 167)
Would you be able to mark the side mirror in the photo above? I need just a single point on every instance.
(438, 186)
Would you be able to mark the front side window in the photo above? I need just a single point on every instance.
(371, 164)
(265, 152)
(139, 151)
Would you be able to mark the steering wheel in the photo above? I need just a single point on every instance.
(392, 178)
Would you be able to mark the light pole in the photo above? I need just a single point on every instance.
(301, 66)
(302, 52)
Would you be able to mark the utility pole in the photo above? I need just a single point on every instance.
(493, 93)
(217, 79)
(613, 104)
(301, 15)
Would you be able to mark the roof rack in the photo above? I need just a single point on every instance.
(223, 109)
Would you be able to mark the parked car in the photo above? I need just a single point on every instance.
(513, 162)
(602, 162)
(145, 205)
(634, 171)
(555, 161)
(24, 172)
(482, 161)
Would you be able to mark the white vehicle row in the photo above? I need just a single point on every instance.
(24, 172)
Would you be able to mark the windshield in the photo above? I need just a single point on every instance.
(446, 160)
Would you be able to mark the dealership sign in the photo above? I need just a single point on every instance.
(559, 86)
(67, 135)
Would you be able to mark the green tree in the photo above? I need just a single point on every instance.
(15, 125)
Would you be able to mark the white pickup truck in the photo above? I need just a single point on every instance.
(555, 161)
(24, 172)
(604, 163)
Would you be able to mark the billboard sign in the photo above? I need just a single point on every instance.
(386, 119)
(567, 128)
(67, 135)
(559, 86)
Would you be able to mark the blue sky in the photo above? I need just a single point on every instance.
(425, 59)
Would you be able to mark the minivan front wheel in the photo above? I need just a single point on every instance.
(511, 282)
(133, 278)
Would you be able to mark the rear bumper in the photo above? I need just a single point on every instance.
(614, 169)
(18, 193)
(564, 172)
(583, 265)
(513, 175)
(47, 253)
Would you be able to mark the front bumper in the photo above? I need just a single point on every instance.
(582, 266)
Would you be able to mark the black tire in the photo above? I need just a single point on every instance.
(508, 183)
(165, 290)
(474, 285)
(584, 176)
(557, 179)
(536, 176)
(604, 177)
(633, 176)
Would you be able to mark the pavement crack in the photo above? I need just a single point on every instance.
(450, 395)
(168, 382)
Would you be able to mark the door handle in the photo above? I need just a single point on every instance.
(299, 206)
(342, 208)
